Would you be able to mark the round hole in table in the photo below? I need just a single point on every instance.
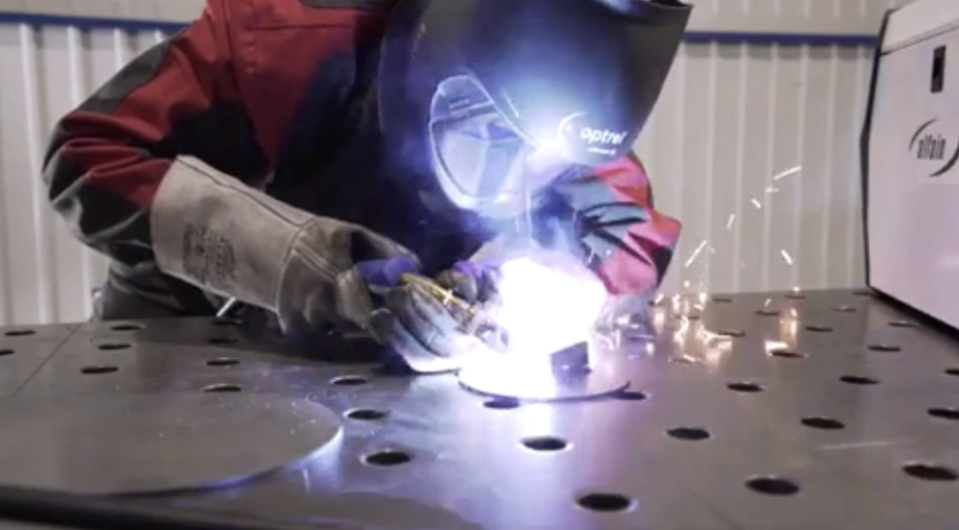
(819, 328)
(605, 502)
(945, 413)
(823, 423)
(858, 380)
(931, 472)
(388, 458)
(902, 324)
(20, 333)
(690, 434)
(884, 348)
(98, 370)
(222, 388)
(773, 486)
(745, 386)
(115, 346)
(349, 380)
(732, 333)
(223, 361)
(128, 327)
(787, 354)
(5, 353)
(545, 443)
(222, 341)
(367, 414)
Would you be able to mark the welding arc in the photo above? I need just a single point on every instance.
(91, 513)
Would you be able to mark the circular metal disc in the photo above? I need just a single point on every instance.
(507, 378)
(156, 443)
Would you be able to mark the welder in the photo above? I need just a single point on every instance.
(287, 152)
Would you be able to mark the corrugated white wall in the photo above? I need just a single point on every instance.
(45, 275)
(753, 147)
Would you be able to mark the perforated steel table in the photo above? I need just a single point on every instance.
(820, 410)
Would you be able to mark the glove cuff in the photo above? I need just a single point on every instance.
(213, 231)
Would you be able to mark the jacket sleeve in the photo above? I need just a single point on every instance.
(626, 241)
(107, 158)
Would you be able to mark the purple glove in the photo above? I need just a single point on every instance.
(386, 272)
(471, 281)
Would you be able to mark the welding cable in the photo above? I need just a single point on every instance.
(62, 510)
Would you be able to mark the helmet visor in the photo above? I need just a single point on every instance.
(482, 162)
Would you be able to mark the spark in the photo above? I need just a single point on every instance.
(773, 345)
(865, 445)
(757, 204)
(686, 284)
(793, 313)
(659, 321)
(772, 189)
(650, 348)
(659, 298)
(696, 253)
(788, 172)
(711, 249)
(729, 223)
(702, 297)
(699, 307)
(768, 301)
(786, 256)
(796, 289)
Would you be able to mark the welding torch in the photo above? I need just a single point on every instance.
(474, 318)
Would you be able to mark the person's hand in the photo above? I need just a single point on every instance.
(424, 332)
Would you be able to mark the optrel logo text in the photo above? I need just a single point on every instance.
(602, 136)
(934, 148)
(576, 132)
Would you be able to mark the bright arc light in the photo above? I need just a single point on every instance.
(549, 302)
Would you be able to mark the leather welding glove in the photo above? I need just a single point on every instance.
(218, 234)
(423, 332)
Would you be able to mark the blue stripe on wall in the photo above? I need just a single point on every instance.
(89, 22)
(787, 39)
(692, 36)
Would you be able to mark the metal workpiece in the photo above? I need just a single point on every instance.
(755, 411)
(127, 444)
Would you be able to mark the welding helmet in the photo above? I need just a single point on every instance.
(503, 96)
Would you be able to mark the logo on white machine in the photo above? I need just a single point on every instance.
(578, 133)
(934, 149)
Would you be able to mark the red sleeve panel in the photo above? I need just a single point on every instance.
(107, 158)
(630, 245)
(644, 253)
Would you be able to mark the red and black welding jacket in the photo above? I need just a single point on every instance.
(281, 95)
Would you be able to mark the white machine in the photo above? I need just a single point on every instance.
(910, 155)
